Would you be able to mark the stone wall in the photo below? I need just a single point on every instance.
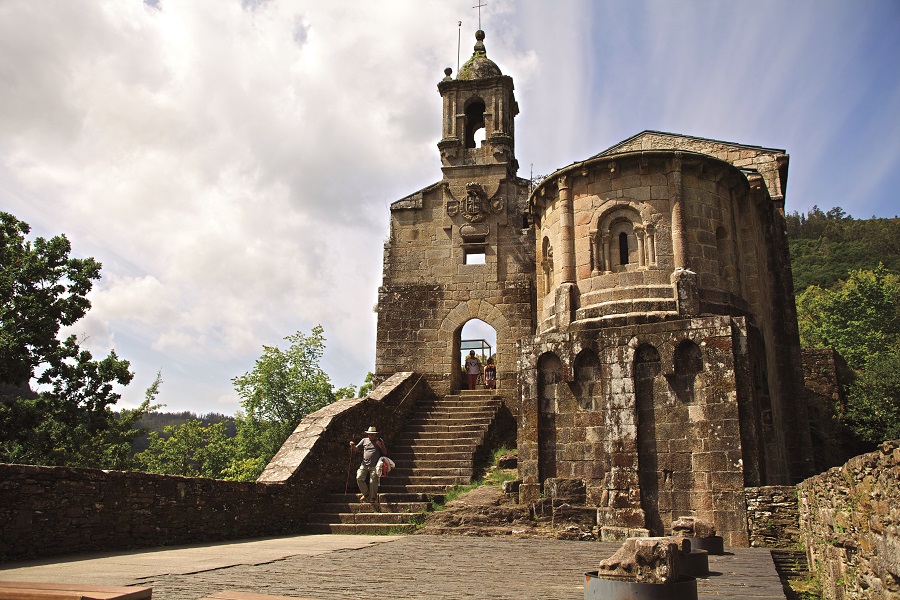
(772, 516)
(649, 416)
(47, 511)
(850, 524)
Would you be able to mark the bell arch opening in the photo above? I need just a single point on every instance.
(474, 122)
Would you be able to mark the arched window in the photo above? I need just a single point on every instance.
(623, 248)
(474, 120)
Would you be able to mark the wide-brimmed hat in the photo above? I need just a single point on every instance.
(371, 430)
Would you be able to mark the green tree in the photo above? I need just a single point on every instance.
(860, 318)
(873, 412)
(283, 387)
(366, 388)
(71, 421)
(191, 449)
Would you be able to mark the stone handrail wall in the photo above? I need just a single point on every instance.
(47, 511)
(850, 524)
(772, 516)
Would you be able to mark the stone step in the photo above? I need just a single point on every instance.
(362, 518)
(438, 436)
(414, 480)
(386, 496)
(431, 490)
(435, 463)
(439, 469)
(365, 507)
(411, 453)
(456, 407)
(451, 428)
(359, 529)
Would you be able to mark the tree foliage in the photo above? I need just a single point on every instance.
(284, 386)
(860, 318)
(826, 246)
(71, 420)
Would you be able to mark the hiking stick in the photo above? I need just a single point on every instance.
(349, 464)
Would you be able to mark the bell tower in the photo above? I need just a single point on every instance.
(479, 99)
(461, 248)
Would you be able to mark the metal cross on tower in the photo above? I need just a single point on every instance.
(478, 6)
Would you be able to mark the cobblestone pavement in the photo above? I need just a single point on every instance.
(444, 567)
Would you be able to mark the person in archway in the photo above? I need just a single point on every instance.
(490, 374)
(473, 369)
(367, 478)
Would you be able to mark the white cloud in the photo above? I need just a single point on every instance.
(231, 162)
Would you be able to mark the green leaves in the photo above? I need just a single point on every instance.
(71, 422)
(191, 449)
(286, 385)
(860, 318)
(41, 290)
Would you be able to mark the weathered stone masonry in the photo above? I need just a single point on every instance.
(643, 302)
(850, 525)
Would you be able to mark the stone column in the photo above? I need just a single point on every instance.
(607, 264)
(597, 267)
(678, 231)
(566, 232)
(651, 245)
(639, 234)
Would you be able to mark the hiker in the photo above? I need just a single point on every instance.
(473, 369)
(490, 374)
(367, 479)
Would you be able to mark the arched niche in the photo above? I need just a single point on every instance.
(550, 376)
(688, 363)
(647, 367)
(586, 386)
(624, 239)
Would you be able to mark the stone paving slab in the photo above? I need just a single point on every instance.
(406, 567)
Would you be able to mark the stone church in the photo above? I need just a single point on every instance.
(642, 299)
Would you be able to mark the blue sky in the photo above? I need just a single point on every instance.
(231, 162)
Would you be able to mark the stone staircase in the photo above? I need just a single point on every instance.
(435, 451)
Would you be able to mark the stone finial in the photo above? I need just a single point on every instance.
(447, 72)
(479, 44)
(693, 527)
(646, 560)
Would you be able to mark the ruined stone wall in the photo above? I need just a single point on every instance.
(47, 511)
(850, 525)
(773, 518)
(651, 445)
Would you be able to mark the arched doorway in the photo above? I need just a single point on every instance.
(475, 335)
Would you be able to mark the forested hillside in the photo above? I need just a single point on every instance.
(157, 421)
(826, 246)
(847, 279)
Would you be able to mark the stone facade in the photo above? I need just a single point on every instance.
(850, 525)
(643, 302)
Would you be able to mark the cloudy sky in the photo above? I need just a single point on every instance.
(231, 162)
